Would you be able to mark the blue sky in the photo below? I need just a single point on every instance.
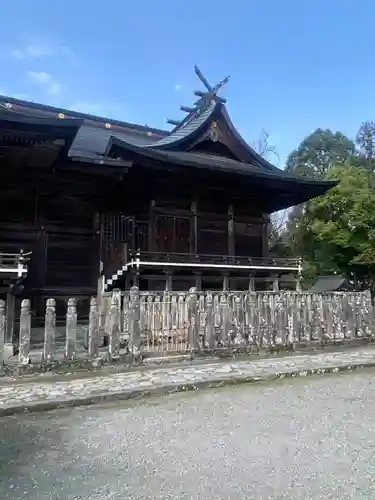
(294, 65)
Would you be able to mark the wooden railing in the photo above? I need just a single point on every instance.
(188, 258)
(13, 261)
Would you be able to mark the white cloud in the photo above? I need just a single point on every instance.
(178, 86)
(33, 51)
(45, 80)
(41, 51)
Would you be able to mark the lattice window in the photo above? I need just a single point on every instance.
(117, 227)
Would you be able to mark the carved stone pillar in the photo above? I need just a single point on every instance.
(276, 283)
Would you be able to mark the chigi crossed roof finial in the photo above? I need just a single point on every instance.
(205, 97)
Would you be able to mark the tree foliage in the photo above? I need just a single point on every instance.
(365, 141)
(339, 228)
(318, 152)
(335, 233)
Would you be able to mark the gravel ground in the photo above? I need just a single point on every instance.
(308, 438)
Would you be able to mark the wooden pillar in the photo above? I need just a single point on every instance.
(135, 277)
(168, 280)
(225, 282)
(231, 242)
(194, 229)
(265, 237)
(251, 282)
(198, 281)
(127, 281)
(98, 265)
(40, 258)
(151, 227)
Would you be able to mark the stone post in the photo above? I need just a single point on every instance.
(292, 321)
(192, 316)
(49, 331)
(225, 321)
(9, 325)
(135, 322)
(25, 333)
(2, 330)
(276, 284)
(71, 330)
(94, 337)
(210, 321)
(299, 276)
(115, 325)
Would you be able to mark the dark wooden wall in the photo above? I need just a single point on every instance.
(51, 214)
(73, 220)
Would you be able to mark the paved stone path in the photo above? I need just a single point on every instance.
(43, 394)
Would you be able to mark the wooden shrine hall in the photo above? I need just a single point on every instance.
(99, 200)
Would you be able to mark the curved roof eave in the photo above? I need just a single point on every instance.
(37, 121)
(31, 109)
(253, 155)
(193, 160)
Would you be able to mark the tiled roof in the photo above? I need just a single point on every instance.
(330, 284)
(94, 140)
(94, 133)
(36, 109)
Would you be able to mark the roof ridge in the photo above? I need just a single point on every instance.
(94, 119)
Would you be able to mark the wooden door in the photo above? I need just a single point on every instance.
(173, 234)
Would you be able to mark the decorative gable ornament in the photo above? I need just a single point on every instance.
(213, 133)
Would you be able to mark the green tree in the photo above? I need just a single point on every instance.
(339, 228)
(314, 157)
(365, 141)
(318, 151)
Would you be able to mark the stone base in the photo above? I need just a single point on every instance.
(9, 351)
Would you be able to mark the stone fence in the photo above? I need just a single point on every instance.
(140, 324)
